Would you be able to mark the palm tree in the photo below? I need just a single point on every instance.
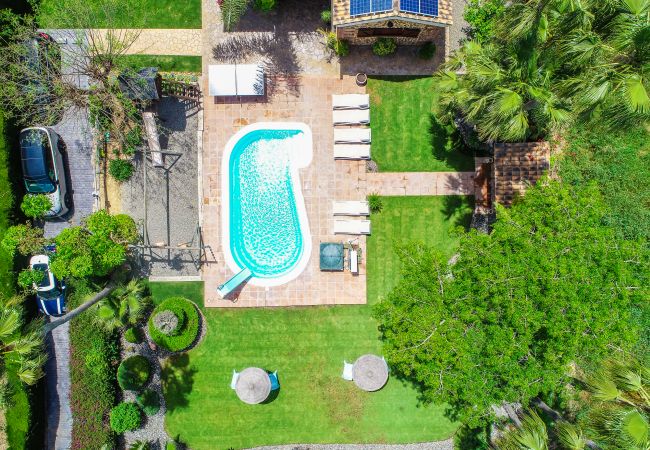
(124, 306)
(21, 346)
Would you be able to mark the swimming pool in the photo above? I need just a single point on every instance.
(264, 220)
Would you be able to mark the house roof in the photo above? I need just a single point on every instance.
(517, 166)
(341, 14)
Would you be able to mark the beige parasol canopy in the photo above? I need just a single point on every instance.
(370, 372)
(253, 385)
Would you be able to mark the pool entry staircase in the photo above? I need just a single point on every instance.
(232, 284)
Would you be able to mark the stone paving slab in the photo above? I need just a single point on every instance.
(57, 368)
(439, 445)
(158, 41)
(420, 183)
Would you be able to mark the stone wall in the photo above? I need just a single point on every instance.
(427, 33)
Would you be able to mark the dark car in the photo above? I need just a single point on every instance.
(50, 292)
(43, 169)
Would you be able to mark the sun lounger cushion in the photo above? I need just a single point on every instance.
(353, 227)
(351, 208)
(351, 151)
(351, 116)
(351, 101)
(352, 135)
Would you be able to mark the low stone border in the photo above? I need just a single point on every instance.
(438, 445)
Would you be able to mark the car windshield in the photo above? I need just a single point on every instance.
(45, 281)
(50, 295)
(38, 167)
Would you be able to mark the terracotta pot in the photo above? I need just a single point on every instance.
(362, 79)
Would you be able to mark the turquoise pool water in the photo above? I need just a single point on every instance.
(265, 230)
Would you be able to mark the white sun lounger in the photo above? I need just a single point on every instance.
(347, 371)
(351, 208)
(352, 135)
(351, 101)
(351, 116)
(352, 227)
(354, 262)
(351, 151)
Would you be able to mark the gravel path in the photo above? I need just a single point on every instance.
(457, 29)
(440, 445)
(172, 195)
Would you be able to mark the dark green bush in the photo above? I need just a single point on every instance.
(133, 373)
(36, 206)
(338, 46)
(125, 417)
(186, 335)
(427, 50)
(133, 335)
(375, 203)
(149, 401)
(264, 5)
(384, 46)
(93, 356)
(120, 169)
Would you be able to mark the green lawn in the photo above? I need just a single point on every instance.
(166, 63)
(402, 219)
(406, 137)
(128, 13)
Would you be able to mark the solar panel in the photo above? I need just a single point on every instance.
(359, 7)
(425, 7)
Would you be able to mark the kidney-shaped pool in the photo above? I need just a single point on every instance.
(264, 220)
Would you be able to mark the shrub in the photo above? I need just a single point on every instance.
(375, 203)
(427, 51)
(36, 206)
(264, 5)
(27, 278)
(93, 356)
(186, 333)
(120, 169)
(149, 401)
(23, 237)
(482, 16)
(326, 16)
(133, 140)
(384, 46)
(338, 46)
(133, 335)
(133, 373)
(171, 445)
(140, 445)
(125, 417)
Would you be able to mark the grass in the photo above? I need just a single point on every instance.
(167, 63)
(127, 13)
(427, 219)
(406, 137)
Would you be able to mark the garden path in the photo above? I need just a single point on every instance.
(420, 183)
(439, 445)
(59, 414)
(154, 41)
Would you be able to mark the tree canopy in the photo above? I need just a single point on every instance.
(550, 285)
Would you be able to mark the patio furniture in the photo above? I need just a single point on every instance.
(354, 262)
(351, 101)
(352, 227)
(352, 151)
(229, 80)
(275, 384)
(253, 385)
(233, 381)
(233, 283)
(361, 79)
(151, 132)
(331, 256)
(351, 208)
(347, 371)
(352, 135)
(351, 116)
(370, 372)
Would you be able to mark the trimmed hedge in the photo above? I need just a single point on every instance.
(186, 334)
(133, 373)
(149, 401)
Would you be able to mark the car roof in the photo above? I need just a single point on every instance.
(32, 154)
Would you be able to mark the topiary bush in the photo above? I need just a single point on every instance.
(120, 169)
(149, 401)
(186, 333)
(133, 373)
(384, 46)
(133, 335)
(125, 417)
(427, 51)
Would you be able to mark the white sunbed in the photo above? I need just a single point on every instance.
(354, 262)
(352, 227)
(347, 371)
(351, 116)
(351, 101)
(351, 151)
(352, 135)
(351, 208)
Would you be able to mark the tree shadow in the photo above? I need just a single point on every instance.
(452, 205)
(293, 15)
(177, 379)
(447, 145)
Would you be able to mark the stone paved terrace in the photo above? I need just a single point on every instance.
(421, 183)
(323, 181)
